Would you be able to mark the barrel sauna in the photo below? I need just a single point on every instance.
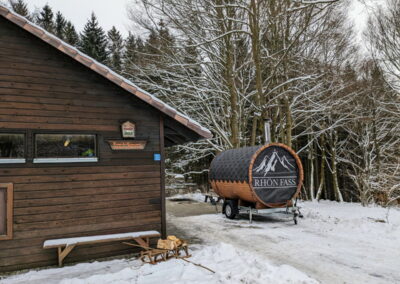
(267, 176)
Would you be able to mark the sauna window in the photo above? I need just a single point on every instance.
(6, 209)
(12, 148)
(59, 148)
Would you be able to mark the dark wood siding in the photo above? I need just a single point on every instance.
(44, 91)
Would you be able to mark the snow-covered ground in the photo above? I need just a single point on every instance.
(195, 196)
(334, 243)
(231, 265)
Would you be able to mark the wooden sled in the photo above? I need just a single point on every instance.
(155, 255)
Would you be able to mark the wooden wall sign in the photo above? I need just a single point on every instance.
(127, 144)
(128, 129)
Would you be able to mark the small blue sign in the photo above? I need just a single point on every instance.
(157, 157)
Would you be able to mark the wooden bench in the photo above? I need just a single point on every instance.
(65, 246)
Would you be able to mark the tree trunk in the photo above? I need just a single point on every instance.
(376, 143)
(311, 165)
(336, 189)
(274, 126)
(255, 44)
(322, 169)
(226, 25)
(289, 123)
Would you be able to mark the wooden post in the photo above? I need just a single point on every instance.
(59, 250)
(162, 182)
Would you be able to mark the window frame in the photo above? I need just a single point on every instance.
(10, 208)
(58, 160)
(15, 160)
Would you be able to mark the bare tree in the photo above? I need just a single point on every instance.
(233, 63)
(384, 34)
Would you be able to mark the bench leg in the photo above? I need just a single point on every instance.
(141, 242)
(62, 253)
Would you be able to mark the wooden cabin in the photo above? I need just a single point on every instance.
(81, 149)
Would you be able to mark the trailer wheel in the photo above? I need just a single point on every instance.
(230, 209)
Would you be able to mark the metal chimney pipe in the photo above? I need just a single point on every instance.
(267, 131)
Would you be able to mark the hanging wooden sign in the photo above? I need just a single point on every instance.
(128, 129)
(127, 144)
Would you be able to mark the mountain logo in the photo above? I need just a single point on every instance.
(273, 164)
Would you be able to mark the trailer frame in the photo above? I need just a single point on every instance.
(250, 210)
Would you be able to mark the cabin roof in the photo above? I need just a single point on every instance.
(105, 72)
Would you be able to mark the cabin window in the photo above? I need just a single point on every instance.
(6, 210)
(65, 148)
(12, 148)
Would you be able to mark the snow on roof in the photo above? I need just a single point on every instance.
(103, 70)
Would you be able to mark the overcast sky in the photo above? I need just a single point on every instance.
(114, 12)
(358, 12)
(109, 12)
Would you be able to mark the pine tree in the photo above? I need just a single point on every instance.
(190, 58)
(159, 42)
(115, 47)
(165, 38)
(45, 18)
(133, 54)
(70, 34)
(130, 53)
(152, 45)
(60, 25)
(20, 7)
(140, 48)
(93, 40)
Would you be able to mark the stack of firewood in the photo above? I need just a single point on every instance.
(170, 243)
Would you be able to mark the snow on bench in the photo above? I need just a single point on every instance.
(99, 238)
(69, 243)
